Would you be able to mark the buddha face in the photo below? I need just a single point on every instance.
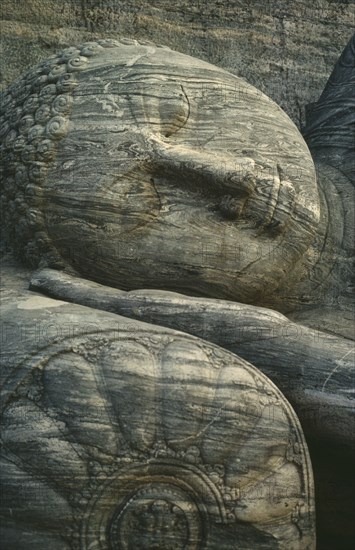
(175, 174)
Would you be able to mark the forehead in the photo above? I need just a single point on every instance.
(151, 85)
(191, 102)
(157, 74)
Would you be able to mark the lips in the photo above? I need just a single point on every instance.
(267, 206)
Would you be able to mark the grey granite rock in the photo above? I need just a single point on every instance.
(330, 128)
(137, 166)
(122, 434)
(313, 369)
(121, 163)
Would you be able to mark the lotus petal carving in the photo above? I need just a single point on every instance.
(145, 439)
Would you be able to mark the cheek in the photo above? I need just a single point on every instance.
(98, 207)
(200, 228)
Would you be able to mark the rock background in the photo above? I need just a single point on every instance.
(287, 49)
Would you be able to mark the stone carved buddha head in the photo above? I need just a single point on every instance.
(138, 166)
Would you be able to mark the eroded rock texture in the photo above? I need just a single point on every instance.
(122, 434)
(66, 207)
(286, 49)
(137, 166)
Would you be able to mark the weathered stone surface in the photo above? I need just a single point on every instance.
(140, 136)
(122, 163)
(302, 266)
(313, 369)
(286, 49)
(122, 434)
(330, 129)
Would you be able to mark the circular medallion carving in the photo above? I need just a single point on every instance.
(157, 516)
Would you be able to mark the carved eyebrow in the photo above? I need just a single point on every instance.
(228, 176)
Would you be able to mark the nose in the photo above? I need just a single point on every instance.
(258, 196)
